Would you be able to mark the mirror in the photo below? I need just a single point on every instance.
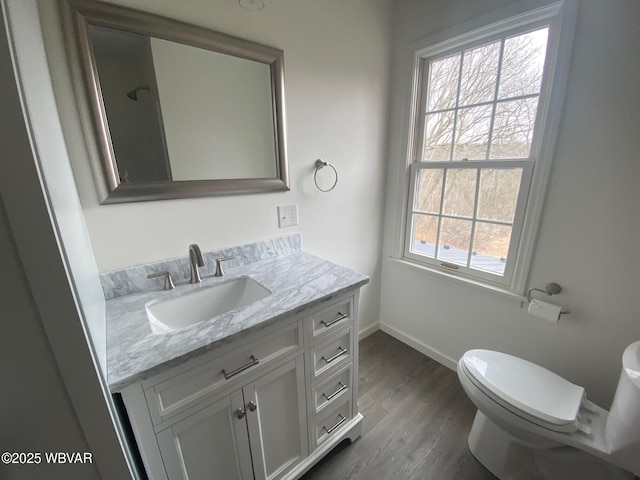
(178, 110)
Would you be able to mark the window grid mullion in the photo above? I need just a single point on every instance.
(501, 223)
(457, 108)
(441, 110)
(445, 215)
(484, 104)
(517, 97)
(495, 98)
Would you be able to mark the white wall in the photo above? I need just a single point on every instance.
(54, 161)
(336, 76)
(589, 232)
(29, 372)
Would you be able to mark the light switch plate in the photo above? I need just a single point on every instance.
(287, 215)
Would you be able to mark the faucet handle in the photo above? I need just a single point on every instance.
(168, 282)
(219, 270)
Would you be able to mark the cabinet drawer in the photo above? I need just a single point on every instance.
(330, 422)
(333, 317)
(333, 352)
(182, 391)
(334, 389)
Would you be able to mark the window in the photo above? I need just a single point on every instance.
(479, 136)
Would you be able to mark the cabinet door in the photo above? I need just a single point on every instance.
(278, 425)
(210, 444)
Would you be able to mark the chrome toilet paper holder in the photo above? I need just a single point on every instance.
(550, 290)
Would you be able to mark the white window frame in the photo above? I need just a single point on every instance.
(560, 18)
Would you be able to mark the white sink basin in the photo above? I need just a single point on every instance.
(168, 315)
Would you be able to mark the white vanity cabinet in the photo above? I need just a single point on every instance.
(210, 440)
(267, 414)
(266, 406)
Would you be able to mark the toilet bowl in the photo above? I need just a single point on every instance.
(533, 424)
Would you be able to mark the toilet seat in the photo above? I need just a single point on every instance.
(525, 389)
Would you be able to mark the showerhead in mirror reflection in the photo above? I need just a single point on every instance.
(133, 94)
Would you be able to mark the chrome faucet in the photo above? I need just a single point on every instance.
(195, 261)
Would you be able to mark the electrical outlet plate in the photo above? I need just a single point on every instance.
(287, 215)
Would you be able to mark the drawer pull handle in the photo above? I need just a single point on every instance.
(341, 388)
(228, 375)
(341, 316)
(334, 357)
(337, 424)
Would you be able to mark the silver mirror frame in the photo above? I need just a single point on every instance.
(105, 169)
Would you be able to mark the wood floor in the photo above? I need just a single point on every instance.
(416, 421)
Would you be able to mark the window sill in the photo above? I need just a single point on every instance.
(462, 281)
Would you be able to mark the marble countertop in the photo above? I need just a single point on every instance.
(297, 281)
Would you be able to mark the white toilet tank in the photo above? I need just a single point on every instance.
(623, 424)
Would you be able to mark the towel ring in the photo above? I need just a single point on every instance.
(319, 165)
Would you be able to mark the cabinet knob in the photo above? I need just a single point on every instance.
(252, 406)
(240, 413)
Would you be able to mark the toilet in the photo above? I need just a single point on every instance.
(532, 424)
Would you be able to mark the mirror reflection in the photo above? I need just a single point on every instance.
(178, 112)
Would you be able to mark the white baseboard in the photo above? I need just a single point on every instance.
(430, 352)
(365, 332)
